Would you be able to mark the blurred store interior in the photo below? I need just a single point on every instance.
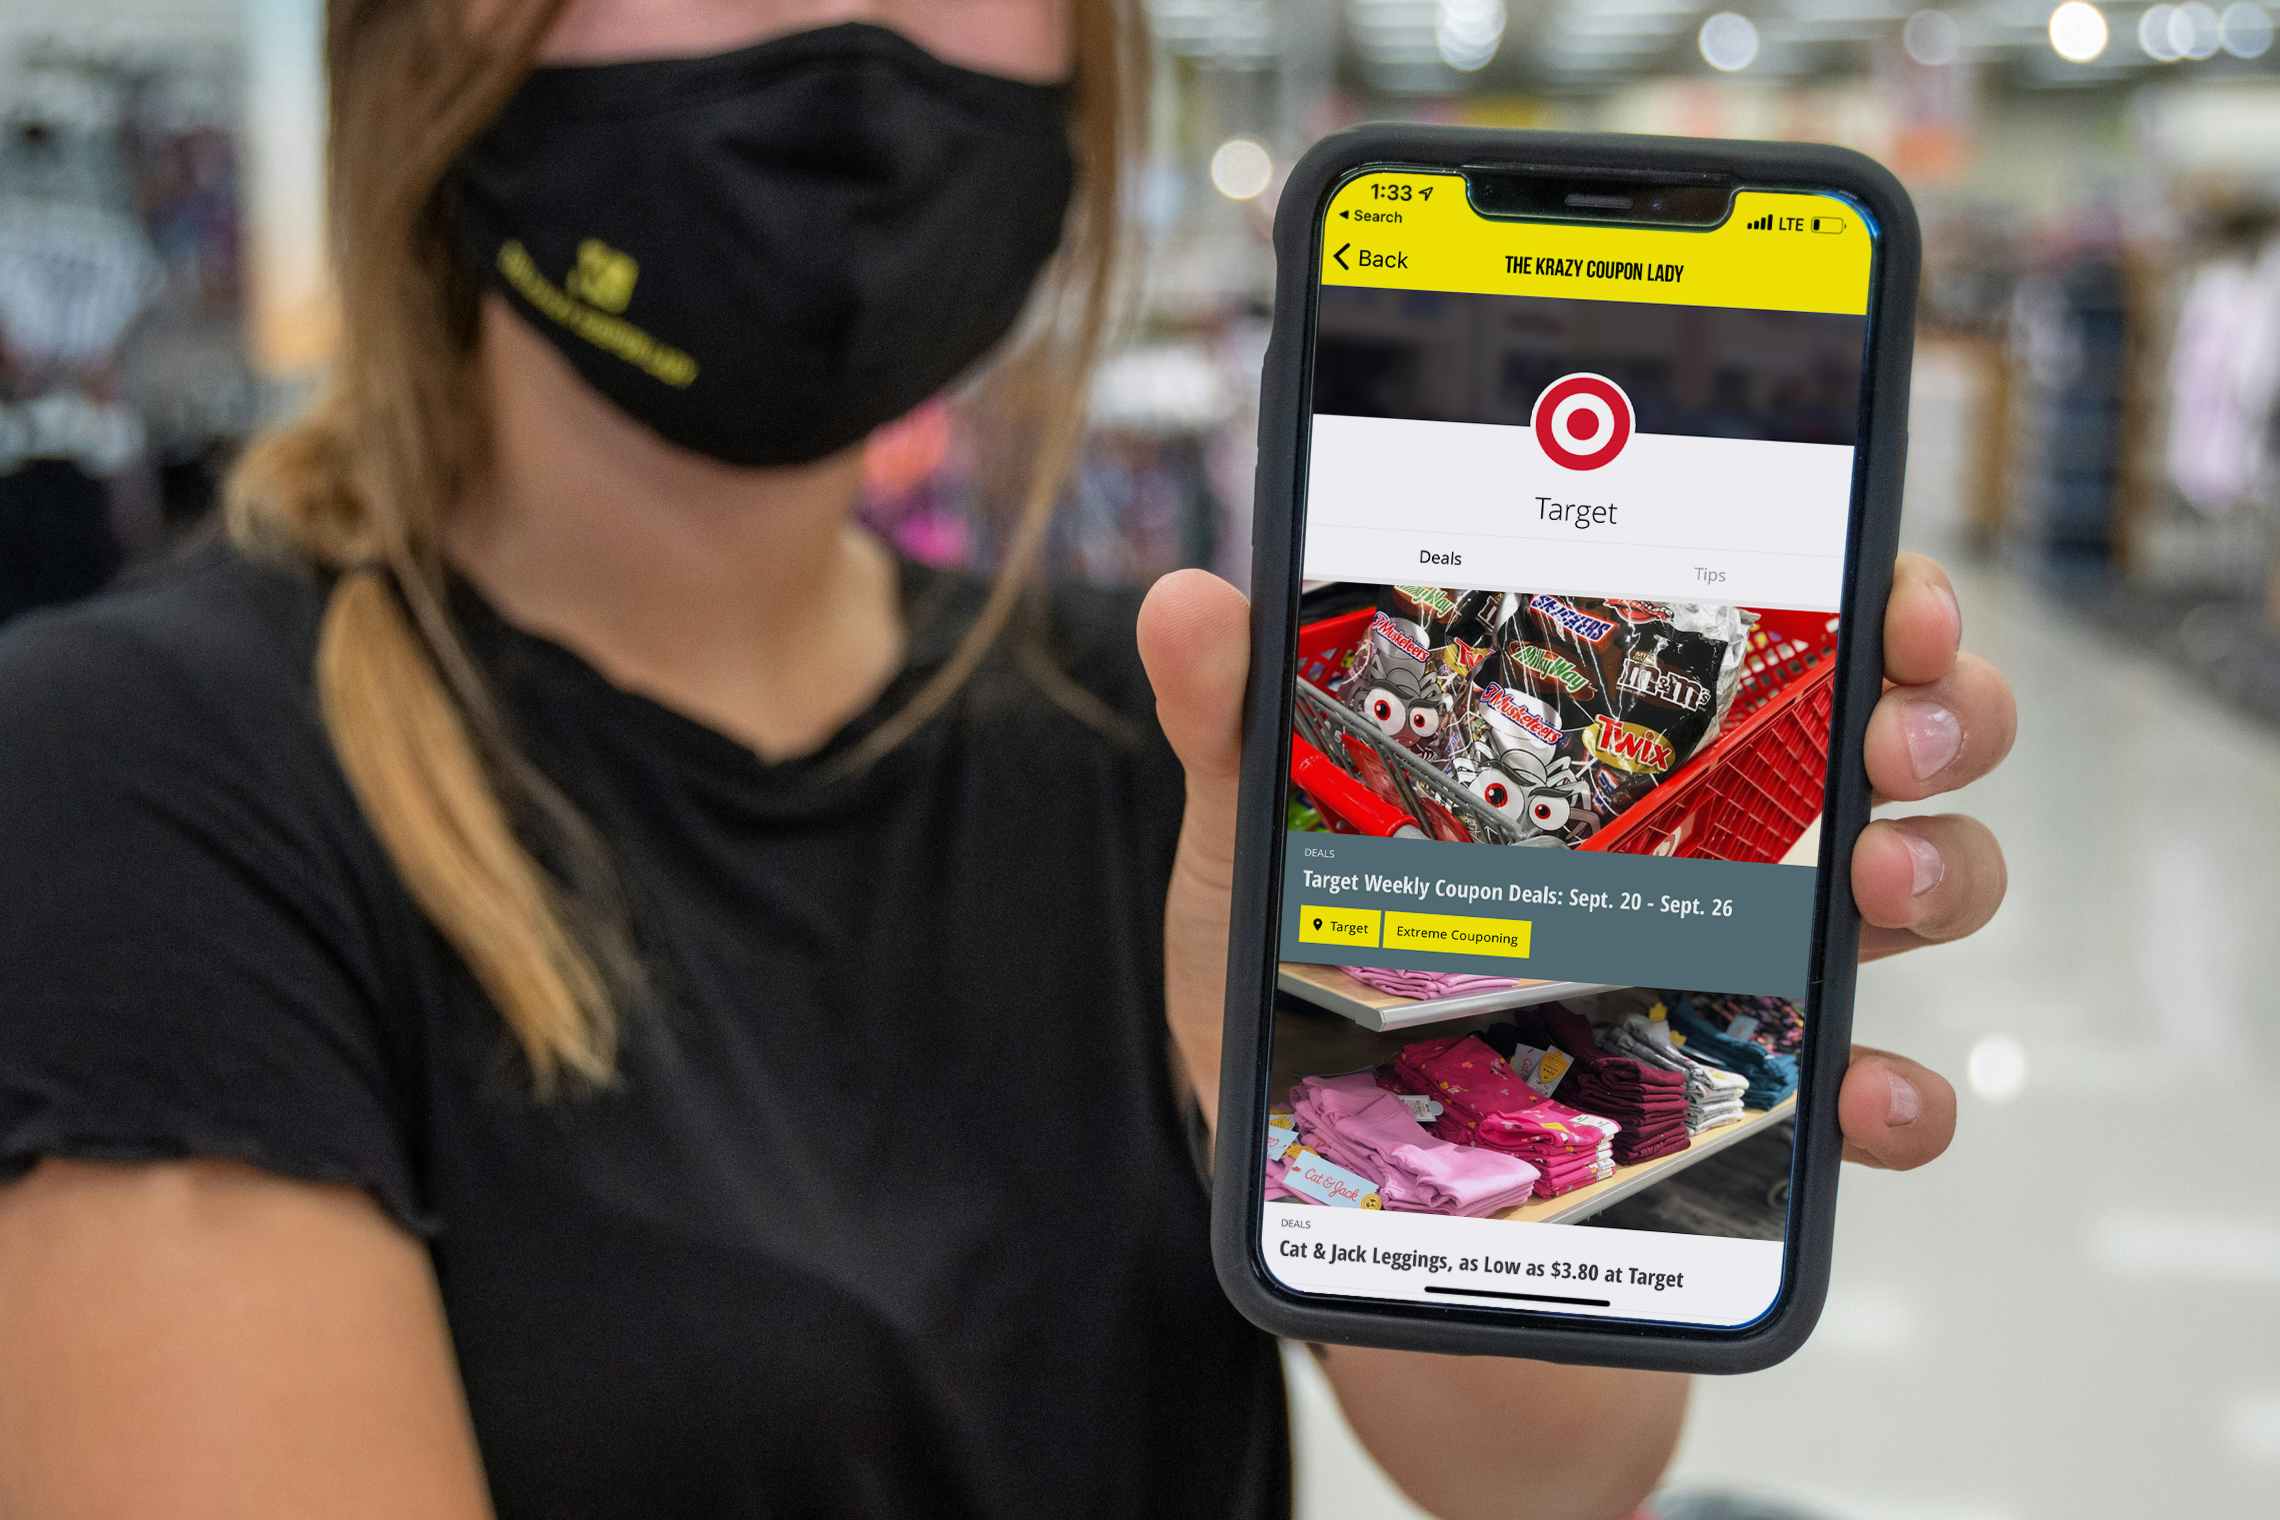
(2040, 1326)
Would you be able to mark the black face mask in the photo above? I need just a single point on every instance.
(765, 254)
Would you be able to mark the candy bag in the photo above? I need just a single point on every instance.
(1521, 766)
(1638, 693)
(1412, 677)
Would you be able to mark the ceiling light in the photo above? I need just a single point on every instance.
(2153, 34)
(1996, 1068)
(1729, 42)
(2078, 31)
(1472, 20)
(1463, 58)
(1241, 169)
(2245, 30)
(2193, 30)
(1469, 33)
(1932, 38)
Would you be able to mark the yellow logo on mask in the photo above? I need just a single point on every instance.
(604, 277)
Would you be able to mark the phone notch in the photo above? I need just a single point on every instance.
(1524, 192)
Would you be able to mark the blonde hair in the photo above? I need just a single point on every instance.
(495, 856)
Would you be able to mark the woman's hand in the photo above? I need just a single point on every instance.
(1946, 718)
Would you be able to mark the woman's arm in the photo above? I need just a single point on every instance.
(1593, 1444)
(194, 1339)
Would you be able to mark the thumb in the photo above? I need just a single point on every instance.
(1195, 639)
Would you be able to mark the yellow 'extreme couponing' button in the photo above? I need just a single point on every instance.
(1338, 926)
(1455, 934)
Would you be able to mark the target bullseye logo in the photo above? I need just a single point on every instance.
(1582, 421)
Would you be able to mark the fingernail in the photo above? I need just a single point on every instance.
(1947, 595)
(1934, 735)
(1926, 864)
(1902, 1104)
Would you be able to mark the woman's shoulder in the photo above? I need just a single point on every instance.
(210, 643)
(184, 696)
(193, 960)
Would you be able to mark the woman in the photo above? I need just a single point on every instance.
(558, 979)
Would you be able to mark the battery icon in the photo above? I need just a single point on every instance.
(1828, 224)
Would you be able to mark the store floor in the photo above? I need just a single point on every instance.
(2077, 1312)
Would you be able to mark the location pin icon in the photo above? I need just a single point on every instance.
(1318, 926)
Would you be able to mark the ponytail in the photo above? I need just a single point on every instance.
(420, 778)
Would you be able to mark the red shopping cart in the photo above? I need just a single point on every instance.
(1748, 796)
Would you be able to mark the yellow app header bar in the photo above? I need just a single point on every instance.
(1776, 251)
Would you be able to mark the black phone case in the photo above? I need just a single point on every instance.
(1256, 910)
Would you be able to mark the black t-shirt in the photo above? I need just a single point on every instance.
(893, 1209)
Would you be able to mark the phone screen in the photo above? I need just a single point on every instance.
(1573, 524)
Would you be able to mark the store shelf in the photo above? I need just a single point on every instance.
(1305, 1043)
(1328, 987)
(1573, 1208)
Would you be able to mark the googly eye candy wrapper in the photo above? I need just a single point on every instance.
(1411, 689)
(1389, 712)
(1519, 767)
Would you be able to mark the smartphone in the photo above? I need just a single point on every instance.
(1578, 494)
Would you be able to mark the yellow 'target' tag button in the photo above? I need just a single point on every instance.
(1456, 934)
(1338, 926)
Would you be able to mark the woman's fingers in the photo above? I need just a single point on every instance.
(1931, 738)
(1920, 880)
(1895, 1113)
(1923, 626)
